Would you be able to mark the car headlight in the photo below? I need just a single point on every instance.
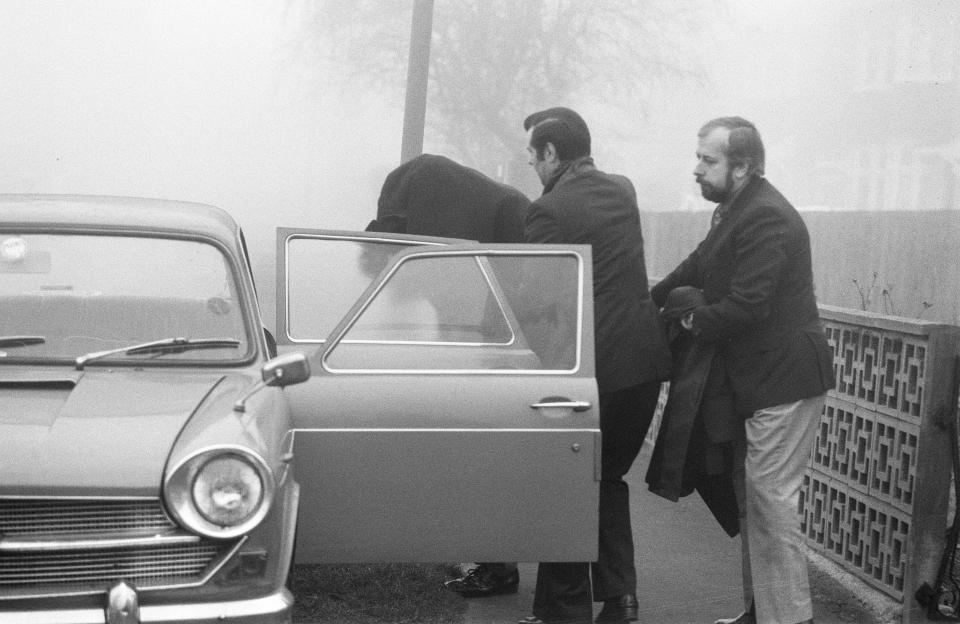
(221, 492)
(227, 490)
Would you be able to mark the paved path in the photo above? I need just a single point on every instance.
(688, 570)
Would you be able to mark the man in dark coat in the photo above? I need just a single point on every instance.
(754, 269)
(582, 205)
(432, 195)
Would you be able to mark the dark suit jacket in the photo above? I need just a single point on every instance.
(755, 272)
(582, 205)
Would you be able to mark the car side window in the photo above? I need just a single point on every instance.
(466, 312)
(327, 276)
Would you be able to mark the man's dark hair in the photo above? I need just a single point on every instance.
(561, 126)
(744, 146)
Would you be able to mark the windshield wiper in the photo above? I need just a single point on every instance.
(167, 345)
(21, 341)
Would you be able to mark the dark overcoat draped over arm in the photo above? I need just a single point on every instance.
(699, 428)
(435, 196)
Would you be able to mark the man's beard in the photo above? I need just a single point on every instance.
(717, 194)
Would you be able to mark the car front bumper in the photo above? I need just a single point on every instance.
(272, 609)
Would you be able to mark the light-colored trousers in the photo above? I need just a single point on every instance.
(767, 484)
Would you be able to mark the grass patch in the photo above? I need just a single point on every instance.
(404, 593)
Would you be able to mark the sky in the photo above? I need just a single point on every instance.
(189, 100)
(186, 100)
(195, 100)
(180, 100)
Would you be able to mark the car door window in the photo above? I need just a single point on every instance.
(323, 295)
(322, 274)
(442, 312)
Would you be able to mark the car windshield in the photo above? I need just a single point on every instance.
(66, 295)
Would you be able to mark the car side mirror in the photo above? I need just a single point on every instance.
(281, 371)
(286, 370)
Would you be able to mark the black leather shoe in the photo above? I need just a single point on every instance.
(480, 583)
(620, 609)
(746, 617)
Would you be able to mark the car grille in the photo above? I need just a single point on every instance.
(93, 569)
(74, 517)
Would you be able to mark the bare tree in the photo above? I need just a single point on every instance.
(494, 61)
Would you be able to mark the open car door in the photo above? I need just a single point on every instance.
(452, 411)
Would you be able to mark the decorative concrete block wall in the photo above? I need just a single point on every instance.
(875, 494)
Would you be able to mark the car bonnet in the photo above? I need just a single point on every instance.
(101, 432)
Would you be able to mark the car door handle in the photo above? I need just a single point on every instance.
(560, 402)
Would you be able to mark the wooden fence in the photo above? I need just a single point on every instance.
(912, 255)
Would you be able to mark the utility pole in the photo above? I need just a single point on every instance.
(418, 65)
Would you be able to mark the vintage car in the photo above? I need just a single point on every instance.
(432, 400)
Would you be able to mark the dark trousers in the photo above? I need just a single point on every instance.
(563, 592)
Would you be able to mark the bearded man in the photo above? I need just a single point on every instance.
(760, 313)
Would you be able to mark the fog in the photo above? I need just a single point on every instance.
(208, 101)
(181, 100)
